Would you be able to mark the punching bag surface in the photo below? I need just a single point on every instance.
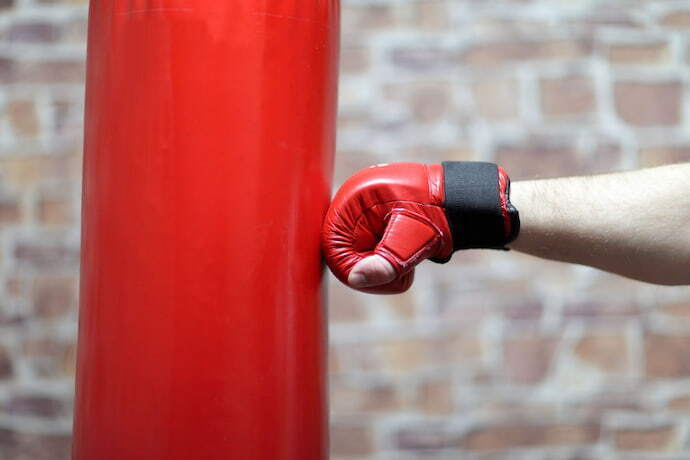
(208, 154)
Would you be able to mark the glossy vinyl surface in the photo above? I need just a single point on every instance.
(208, 156)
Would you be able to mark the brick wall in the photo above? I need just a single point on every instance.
(494, 355)
(42, 44)
(501, 355)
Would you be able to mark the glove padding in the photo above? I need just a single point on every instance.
(408, 212)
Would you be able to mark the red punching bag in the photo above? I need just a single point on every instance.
(208, 155)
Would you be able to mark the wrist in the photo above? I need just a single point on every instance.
(538, 218)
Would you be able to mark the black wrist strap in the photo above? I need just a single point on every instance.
(473, 206)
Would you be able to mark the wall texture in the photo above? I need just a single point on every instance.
(42, 47)
(493, 356)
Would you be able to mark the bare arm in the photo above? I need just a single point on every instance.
(636, 224)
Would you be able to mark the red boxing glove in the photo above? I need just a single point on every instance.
(408, 212)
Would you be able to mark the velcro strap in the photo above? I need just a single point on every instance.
(473, 205)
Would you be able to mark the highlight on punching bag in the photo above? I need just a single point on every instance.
(207, 170)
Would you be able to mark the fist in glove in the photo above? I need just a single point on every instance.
(386, 219)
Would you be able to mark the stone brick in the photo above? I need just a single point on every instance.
(431, 102)
(606, 15)
(9, 441)
(351, 438)
(528, 359)
(664, 154)
(523, 435)
(55, 211)
(609, 352)
(423, 58)
(681, 309)
(435, 397)
(641, 54)
(22, 114)
(10, 212)
(496, 99)
(16, 286)
(460, 349)
(679, 403)
(406, 355)
(37, 446)
(24, 172)
(648, 104)
(523, 308)
(651, 439)
(6, 364)
(678, 19)
(46, 255)
(33, 32)
(519, 51)
(36, 405)
(604, 402)
(21, 172)
(7, 69)
(667, 356)
(349, 398)
(425, 437)
(55, 71)
(428, 101)
(431, 14)
(567, 96)
(54, 296)
(365, 18)
(382, 398)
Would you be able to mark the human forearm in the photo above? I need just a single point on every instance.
(636, 224)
